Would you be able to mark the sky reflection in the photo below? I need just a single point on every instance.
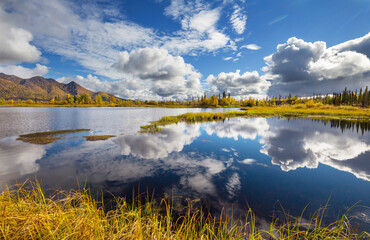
(239, 162)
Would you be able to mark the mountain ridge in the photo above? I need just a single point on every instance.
(40, 88)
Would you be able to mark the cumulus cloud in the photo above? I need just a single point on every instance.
(71, 31)
(166, 75)
(304, 68)
(359, 45)
(241, 85)
(150, 73)
(251, 46)
(238, 20)
(15, 46)
(23, 72)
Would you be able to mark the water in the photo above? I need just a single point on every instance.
(261, 163)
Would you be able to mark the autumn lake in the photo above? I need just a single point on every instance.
(270, 165)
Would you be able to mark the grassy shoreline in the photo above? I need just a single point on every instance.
(321, 113)
(26, 213)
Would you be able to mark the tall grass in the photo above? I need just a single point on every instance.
(26, 213)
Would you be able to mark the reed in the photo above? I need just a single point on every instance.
(27, 213)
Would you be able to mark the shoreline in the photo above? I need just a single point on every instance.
(349, 114)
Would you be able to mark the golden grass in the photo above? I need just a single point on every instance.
(98, 137)
(43, 138)
(296, 111)
(26, 213)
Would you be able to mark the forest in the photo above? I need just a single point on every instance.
(356, 98)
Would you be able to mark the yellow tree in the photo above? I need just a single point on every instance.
(213, 101)
(113, 99)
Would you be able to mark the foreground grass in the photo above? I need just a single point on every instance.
(26, 213)
(322, 112)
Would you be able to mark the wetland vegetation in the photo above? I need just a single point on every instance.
(297, 111)
(98, 137)
(27, 213)
(43, 138)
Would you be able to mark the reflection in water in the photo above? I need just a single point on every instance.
(170, 139)
(18, 159)
(232, 163)
(296, 146)
(363, 126)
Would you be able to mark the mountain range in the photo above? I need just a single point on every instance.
(40, 88)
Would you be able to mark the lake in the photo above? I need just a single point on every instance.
(261, 163)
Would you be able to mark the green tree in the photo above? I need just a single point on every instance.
(98, 99)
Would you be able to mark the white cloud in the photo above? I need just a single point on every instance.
(166, 75)
(80, 33)
(238, 20)
(204, 20)
(151, 73)
(251, 47)
(15, 46)
(238, 84)
(359, 45)
(23, 72)
(304, 68)
(228, 58)
(199, 32)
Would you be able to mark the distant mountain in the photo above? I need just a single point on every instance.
(40, 88)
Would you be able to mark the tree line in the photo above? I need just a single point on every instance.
(347, 98)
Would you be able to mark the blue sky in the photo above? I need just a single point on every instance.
(175, 49)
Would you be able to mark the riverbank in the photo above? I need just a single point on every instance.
(26, 213)
(321, 113)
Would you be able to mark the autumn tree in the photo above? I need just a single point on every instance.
(113, 99)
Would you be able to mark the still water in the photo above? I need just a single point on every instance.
(262, 163)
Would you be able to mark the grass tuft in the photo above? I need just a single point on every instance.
(98, 137)
(43, 138)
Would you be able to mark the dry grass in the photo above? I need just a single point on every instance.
(98, 137)
(26, 213)
(43, 138)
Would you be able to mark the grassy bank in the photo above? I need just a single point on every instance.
(26, 213)
(297, 111)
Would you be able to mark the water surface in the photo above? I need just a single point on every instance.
(235, 164)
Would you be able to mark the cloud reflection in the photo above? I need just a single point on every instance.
(17, 159)
(300, 144)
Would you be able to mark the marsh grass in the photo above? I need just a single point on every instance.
(319, 111)
(43, 138)
(98, 137)
(27, 213)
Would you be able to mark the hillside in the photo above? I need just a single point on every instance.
(40, 88)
